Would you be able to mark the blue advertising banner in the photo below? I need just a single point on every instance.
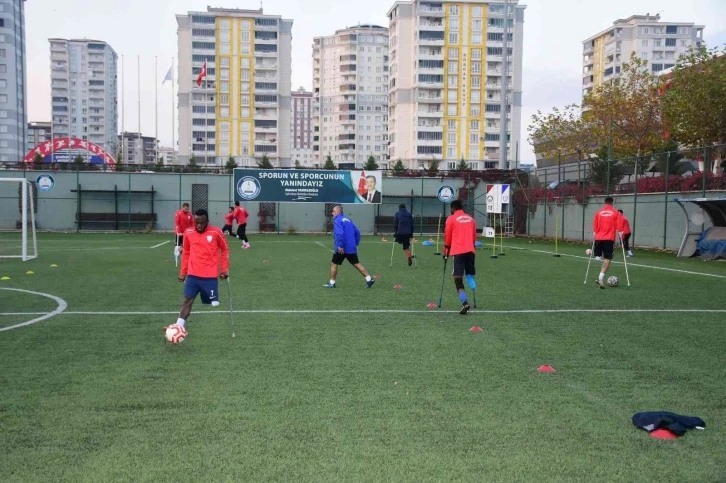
(307, 186)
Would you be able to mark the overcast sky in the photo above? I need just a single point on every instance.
(553, 32)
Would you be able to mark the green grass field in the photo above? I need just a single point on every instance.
(354, 384)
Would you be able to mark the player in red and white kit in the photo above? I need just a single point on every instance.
(229, 222)
(625, 232)
(183, 220)
(605, 224)
(241, 215)
(205, 258)
(459, 239)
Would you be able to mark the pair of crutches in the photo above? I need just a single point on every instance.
(413, 252)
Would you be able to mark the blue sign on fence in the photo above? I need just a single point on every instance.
(307, 186)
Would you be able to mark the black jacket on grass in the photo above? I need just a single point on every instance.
(677, 424)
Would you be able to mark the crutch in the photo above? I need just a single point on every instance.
(443, 279)
(231, 312)
(393, 247)
(589, 261)
(413, 253)
(177, 249)
(625, 260)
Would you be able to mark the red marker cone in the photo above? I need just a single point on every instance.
(265, 261)
(546, 368)
(384, 239)
(663, 434)
(432, 305)
(476, 328)
(377, 277)
(397, 287)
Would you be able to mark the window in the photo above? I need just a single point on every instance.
(453, 81)
(454, 10)
(657, 67)
(645, 30)
(3, 83)
(3, 114)
(3, 68)
(670, 42)
(657, 42)
(244, 37)
(453, 96)
(453, 67)
(475, 81)
(684, 30)
(450, 152)
(475, 96)
(451, 138)
(453, 53)
(224, 74)
(454, 24)
(644, 55)
(476, 12)
(476, 67)
(475, 110)
(476, 54)
(245, 74)
(3, 99)
(453, 38)
(476, 38)
(224, 86)
(3, 53)
(476, 25)
(685, 43)
(451, 125)
(451, 110)
(473, 138)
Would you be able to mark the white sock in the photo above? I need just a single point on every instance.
(368, 278)
(181, 322)
(332, 282)
(602, 276)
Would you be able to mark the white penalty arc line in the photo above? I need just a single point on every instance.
(161, 244)
(62, 306)
(630, 264)
(388, 311)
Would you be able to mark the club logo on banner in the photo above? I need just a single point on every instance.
(45, 182)
(308, 186)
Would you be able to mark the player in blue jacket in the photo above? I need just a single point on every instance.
(347, 238)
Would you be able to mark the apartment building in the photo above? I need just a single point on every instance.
(658, 43)
(137, 148)
(350, 85)
(241, 108)
(301, 128)
(13, 81)
(446, 82)
(84, 102)
(38, 132)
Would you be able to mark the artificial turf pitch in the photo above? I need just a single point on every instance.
(354, 384)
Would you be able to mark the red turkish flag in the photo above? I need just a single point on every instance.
(362, 188)
(202, 74)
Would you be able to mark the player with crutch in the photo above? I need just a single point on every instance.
(459, 240)
(403, 233)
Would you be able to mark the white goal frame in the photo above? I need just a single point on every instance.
(26, 194)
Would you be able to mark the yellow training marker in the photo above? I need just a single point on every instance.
(54, 266)
(29, 272)
(5, 278)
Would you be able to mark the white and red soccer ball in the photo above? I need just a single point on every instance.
(176, 334)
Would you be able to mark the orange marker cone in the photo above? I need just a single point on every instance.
(432, 305)
(397, 287)
(546, 368)
(476, 328)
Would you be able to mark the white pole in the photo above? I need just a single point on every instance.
(123, 111)
(173, 112)
(138, 79)
(206, 138)
(156, 111)
(505, 86)
(32, 219)
(24, 203)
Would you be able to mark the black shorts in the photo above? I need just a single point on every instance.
(464, 264)
(180, 241)
(604, 248)
(404, 240)
(338, 259)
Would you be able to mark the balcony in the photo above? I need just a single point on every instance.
(348, 88)
(426, 11)
(436, 99)
(265, 65)
(265, 53)
(431, 26)
(436, 114)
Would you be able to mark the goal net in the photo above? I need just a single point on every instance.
(17, 219)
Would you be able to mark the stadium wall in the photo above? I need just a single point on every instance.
(56, 209)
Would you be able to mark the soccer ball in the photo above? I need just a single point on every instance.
(588, 252)
(613, 281)
(176, 334)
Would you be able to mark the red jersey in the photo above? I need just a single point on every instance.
(460, 234)
(229, 219)
(183, 221)
(201, 254)
(605, 223)
(241, 215)
(624, 226)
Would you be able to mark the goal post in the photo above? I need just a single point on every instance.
(17, 219)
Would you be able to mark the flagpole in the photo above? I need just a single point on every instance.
(173, 111)
(123, 111)
(138, 80)
(206, 137)
(156, 111)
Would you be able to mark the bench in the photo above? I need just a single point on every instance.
(116, 219)
(384, 224)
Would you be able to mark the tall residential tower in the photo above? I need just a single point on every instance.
(658, 43)
(447, 69)
(13, 81)
(83, 76)
(301, 128)
(242, 107)
(350, 85)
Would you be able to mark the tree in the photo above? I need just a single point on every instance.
(297, 164)
(598, 172)
(38, 161)
(78, 160)
(193, 166)
(433, 166)
(667, 159)
(399, 167)
(264, 163)
(462, 166)
(371, 164)
(694, 101)
(231, 164)
(329, 164)
(627, 110)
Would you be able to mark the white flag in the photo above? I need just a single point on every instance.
(168, 77)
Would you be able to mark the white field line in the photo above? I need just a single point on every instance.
(631, 264)
(331, 251)
(388, 311)
(145, 247)
(161, 244)
(62, 305)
